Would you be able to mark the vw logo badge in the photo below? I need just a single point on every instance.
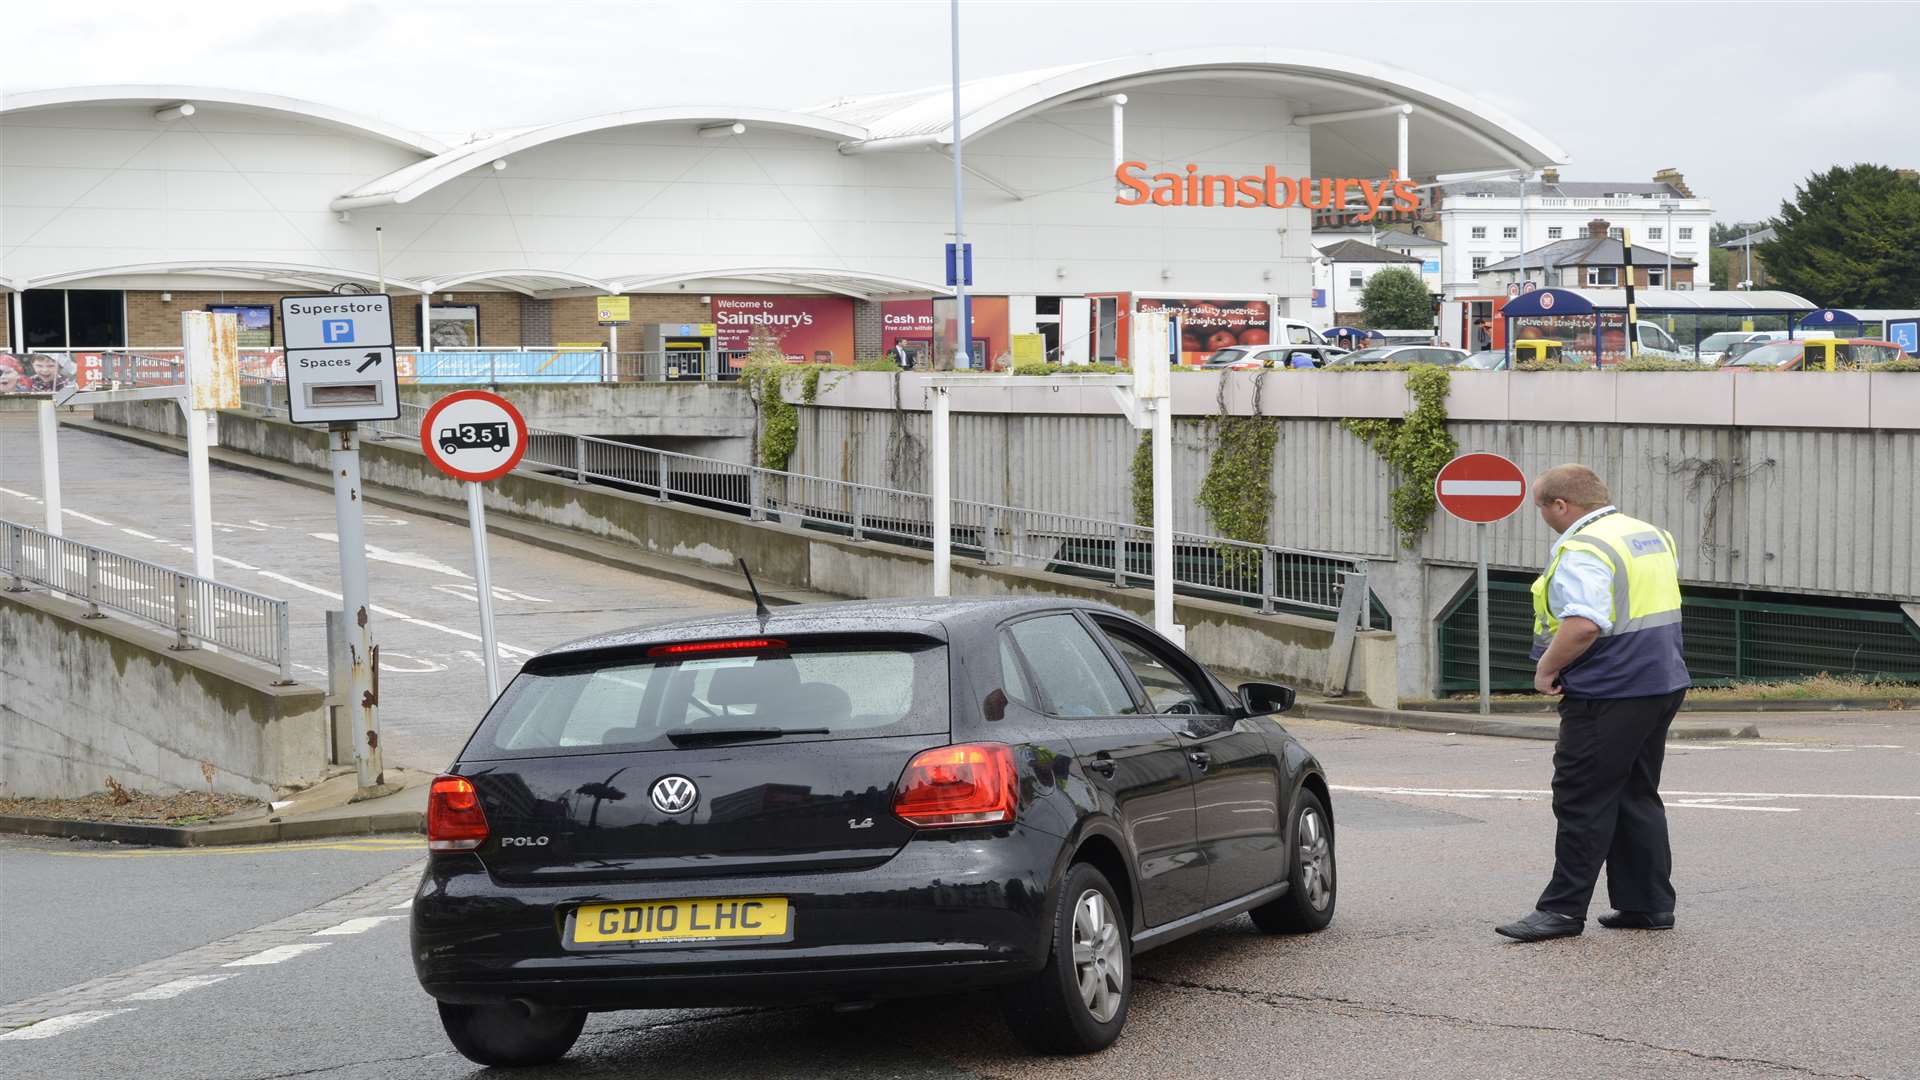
(674, 794)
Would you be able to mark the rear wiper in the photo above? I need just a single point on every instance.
(727, 735)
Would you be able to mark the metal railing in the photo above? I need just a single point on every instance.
(1270, 575)
(194, 609)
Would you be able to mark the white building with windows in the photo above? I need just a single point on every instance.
(1483, 223)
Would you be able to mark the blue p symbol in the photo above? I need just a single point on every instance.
(334, 331)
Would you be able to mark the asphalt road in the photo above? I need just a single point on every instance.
(279, 539)
(1796, 859)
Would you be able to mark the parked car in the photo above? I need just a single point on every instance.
(1817, 354)
(1403, 354)
(848, 802)
(1485, 360)
(1716, 347)
(1245, 357)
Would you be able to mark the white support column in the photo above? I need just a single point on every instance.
(1119, 134)
(50, 464)
(1402, 158)
(426, 320)
(199, 497)
(18, 330)
(940, 491)
(1163, 521)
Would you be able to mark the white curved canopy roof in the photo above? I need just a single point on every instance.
(405, 185)
(1325, 82)
(521, 280)
(855, 283)
(159, 95)
(299, 275)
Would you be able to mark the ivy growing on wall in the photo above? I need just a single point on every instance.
(1415, 448)
(1143, 480)
(764, 374)
(1237, 493)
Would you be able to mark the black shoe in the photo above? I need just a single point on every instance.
(1542, 925)
(1637, 920)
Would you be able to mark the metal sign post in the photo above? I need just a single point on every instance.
(1481, 489)
(475, 436)
(340, 371)
(50, 465)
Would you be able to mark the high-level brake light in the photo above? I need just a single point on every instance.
(969, 784)
(736, 645)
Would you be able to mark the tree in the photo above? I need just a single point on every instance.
(1397, 299)
(1850, 238)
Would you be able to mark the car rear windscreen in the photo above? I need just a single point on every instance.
(632, 701)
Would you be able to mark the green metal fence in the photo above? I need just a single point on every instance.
(1730, 639)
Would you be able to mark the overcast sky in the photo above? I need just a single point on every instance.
(1744, 98)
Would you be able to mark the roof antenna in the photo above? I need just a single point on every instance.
(759, 605)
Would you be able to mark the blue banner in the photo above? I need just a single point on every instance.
(492, 367)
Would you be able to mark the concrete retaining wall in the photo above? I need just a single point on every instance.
(83, 699)
(1235, 639)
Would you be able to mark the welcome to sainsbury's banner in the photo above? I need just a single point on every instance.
(811, 329)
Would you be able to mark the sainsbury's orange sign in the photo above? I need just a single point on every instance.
(1272, 190)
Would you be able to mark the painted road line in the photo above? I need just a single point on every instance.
(367, 844)
(88, 518)
(177, 987)
(403, 905)
(60, 1025)
(513, 650)
(278, 954)
(356, 926)
(1526, 792)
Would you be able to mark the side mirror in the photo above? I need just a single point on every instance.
(1265, 698)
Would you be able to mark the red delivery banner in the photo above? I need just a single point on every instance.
(811, 329)
(1207, 326)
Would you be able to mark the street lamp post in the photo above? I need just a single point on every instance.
(1669, 207)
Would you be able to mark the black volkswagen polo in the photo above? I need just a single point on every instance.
(846, 802)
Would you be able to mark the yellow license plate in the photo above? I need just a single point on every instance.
(733, 919)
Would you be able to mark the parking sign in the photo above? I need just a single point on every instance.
(340, 363)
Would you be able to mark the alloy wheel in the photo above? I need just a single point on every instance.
(1316, 860)
(1099, 963)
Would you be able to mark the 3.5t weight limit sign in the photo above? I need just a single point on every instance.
(1480, 488)
(474, 435)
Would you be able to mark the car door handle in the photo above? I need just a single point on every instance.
(1104, 766)
(1201, 759)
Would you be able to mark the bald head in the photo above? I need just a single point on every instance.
(1576, 485)
(1567, 493)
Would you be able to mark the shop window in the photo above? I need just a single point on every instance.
(74, 318)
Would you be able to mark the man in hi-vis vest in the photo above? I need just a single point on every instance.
(1606, 638)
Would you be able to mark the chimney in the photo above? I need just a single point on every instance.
(1549, 176)
(1673, 177)
(1597, 229)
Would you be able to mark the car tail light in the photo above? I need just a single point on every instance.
(455, 821)
(969, 784)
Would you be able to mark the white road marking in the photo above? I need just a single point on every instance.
(1701, 804)
(176, 988)
(505, 649)
(1693, 800)
(407, 559)
(19, 494)
(235, 563)
(402, 905)
(56, 1025)
(138, 533)
(356, 926)
(264, 524)
(277, 954)
(426, 667)
(89, 517)
(1481, 487)
(471, 594)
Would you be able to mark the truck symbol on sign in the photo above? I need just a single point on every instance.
(474, 437)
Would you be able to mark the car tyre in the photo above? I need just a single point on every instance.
(1312, 886)
(1077, 1004)
(511, 1033)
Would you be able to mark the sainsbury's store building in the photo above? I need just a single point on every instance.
(1183, 179)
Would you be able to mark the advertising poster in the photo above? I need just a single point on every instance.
(456, 327)
(810, 329)
(256, 323)
(1575, 333)
(1207, 326)
(905, 320)
(992, 344)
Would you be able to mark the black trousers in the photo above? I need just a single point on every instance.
(1606, 800)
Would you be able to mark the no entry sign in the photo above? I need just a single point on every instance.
(1480, 488)
(474, 435)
